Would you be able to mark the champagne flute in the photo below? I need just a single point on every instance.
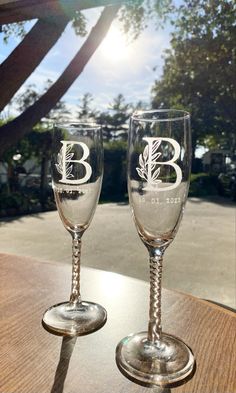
(159, 159)
(77, 171)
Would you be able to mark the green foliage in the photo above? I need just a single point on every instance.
(199, 71)
(203, 185)
(24, 201)
(79, 24)
(36, 194)
(114, 188)
(132, 18)
(135, 15)
(17, 30)
(86, 112)
(13, 202)
(115, 120)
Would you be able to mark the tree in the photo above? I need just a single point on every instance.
(86, 112)
(115, 119)
(199, 71)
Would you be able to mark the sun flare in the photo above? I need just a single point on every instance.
(115, 46)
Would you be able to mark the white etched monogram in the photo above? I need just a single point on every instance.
(150, 165)
(64, 163)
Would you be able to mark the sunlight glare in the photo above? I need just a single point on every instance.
(115, 46)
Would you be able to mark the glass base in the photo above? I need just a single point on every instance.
(74, 319)
(162, 363)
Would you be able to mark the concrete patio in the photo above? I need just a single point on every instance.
(200, 261)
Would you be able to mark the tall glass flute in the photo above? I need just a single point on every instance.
(77, 170)
(159, 156)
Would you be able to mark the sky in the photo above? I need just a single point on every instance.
(116, 67)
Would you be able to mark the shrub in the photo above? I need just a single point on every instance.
(202, 185)
(114, 186)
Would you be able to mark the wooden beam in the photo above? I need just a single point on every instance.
(23, 60)
(18, 11)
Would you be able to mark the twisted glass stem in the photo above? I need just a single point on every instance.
(154, 326)
(76, 252)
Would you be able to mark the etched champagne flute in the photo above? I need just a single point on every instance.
(77, 171)
(159, 159)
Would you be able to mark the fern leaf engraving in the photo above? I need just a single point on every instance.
(145, 154)
(59, 164)
(156, 174)
(148, 162)
(155, 146)
(141, 161)
(156, 156)
(66, 158)
(141, 173)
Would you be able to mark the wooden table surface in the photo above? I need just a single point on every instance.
(35, 361)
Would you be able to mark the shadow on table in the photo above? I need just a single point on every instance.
(216, 199)
(12, 219)
(67, 348)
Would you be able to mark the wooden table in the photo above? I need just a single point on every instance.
(34, 361)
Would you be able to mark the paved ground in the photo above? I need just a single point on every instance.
(201, 260)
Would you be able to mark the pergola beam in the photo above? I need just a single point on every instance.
(22, 10)
(24, 59)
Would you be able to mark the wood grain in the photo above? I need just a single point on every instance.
(34, 361)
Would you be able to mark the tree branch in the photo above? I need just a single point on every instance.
(28, 54)
(13, 131)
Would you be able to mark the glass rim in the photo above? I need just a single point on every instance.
(80, 125)
(139, 115)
